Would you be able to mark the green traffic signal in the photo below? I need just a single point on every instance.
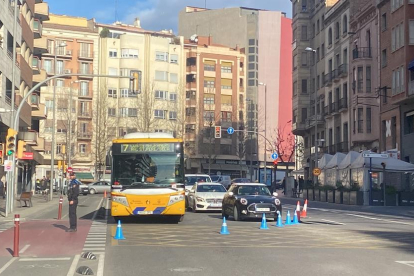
(10, 152)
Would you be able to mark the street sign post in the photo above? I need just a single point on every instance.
(370, 156)
(230, 130)
(375, 155)
(8, 165)
(316, 171)
(275, 156)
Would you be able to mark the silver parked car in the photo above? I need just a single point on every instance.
(99, 187)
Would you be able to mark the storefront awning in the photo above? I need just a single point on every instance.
(411, 65)
(232, 167)
(84, 176)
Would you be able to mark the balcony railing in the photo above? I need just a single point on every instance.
(363, 52)
(84, 135)
(85, 54)
(326, 110)
(343, 103)
(343, 70)
(333, 107)
(84, 114)
(327, 79)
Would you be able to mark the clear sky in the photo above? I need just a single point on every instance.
(154, 14)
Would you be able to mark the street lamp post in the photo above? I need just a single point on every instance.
(265, 153)
(309, 49)
(250, 124)
(69, 150)
(52, 159)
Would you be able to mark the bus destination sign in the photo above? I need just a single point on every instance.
(147, 147)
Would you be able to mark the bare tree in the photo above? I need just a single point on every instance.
(176, 105)
(284, 144)
(146, 104)
(241, 145)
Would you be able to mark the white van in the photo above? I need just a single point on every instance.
(224, 180)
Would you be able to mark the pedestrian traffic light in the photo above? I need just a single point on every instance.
(275, 162)
(1, 153)
(217, 132)
(21, 148)
(135, 82)
(11, 142)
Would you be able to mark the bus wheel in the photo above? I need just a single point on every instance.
(179, 218)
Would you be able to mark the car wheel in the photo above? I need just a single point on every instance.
(236, 214)
(194, 208)
(92, 191)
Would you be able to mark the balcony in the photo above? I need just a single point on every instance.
(327, 111)
(343, 104)
(327, 79)
(84, 136)
(333, 108)
(85, 54)
(85, 94)
(363, 52)
(30, 137)
(339, 147)
(25, 113)
(26, 71)
(39, 112)
(36, 65)
(40, 46)
(411, 88)
(343, 70)
(84, 114)
(37, 78)
(37, 29)
(85, 71)
(42, 11)
(310, 122)
(298, 128)
(335, 75)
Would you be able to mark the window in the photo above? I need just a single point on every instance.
(360, 120)
(209, 82)
(47, 65)
(124, 92)
(360, 79)
(112, 71)
(112, 92)
(208, 99)
(161, 75)
(304, 59)
(411, 32)
(159, 94)
(226, 100)
(295, 116)
(208, 116)
(82, 148)
(111, 112)
(317, 26)
(173, 97)
(368, 79)
(398, 84)
(304, 115)
(226, 67)
(174, 58)
(129, 53)
(123, 112)
(172, 115)
(209, 67)
(59, 67)
(409, 122)
(384, 21)
(113, 53)
(384, 58)
(252, 50)
(345, 24)
(304, 86)
(304, 33)
(368, 111)
(252, 42)
(225, 116)
(84, 88)
(330, 37)
(295, 88)
(322, 50)
(161, 56)
(397, 37)
(225, 83)
(60, 83)
(173, 78)
(132, 112)
(337, 30)
(59, 148)
(295, 62)
(125, 72)
(49, 105)
(159, 114)
(395, 4)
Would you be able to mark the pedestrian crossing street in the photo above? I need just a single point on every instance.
(96, 239)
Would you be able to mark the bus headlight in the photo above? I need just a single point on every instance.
(121, 200)
(200, 199)
(175, 199)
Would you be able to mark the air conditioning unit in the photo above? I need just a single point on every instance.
(67, 71)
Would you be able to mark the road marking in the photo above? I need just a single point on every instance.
(43, 259)
(73, 266)
(386, 220)
(409, 263)
(86, 249)
(7, 265)
(331, 221)
(24, 248)
(101, 265)
(97, 209)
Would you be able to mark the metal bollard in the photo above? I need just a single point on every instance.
(60, 207)
(16, 235)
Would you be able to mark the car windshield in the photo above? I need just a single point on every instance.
(191, 180)
(210, 189)
(214, 178)
(254, 190)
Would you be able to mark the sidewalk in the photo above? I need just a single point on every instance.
(401, 211)
(39, 204)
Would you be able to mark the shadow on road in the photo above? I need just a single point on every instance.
(401, 240)
(60, 226)
(145, 220)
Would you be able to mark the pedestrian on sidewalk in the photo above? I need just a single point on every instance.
(2, 193)
(73, 193)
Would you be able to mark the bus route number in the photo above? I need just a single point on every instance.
(135, 148)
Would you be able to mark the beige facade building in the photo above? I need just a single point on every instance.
(215, 96)
(71, 48)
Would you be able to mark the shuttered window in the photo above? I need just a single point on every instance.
(226, 99)
(225, 83)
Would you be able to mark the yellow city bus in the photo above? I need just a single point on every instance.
(147, 176)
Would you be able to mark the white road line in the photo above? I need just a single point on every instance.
(87, 249)
(97, 209)
(73, 266)
(93, 245)
(331, 221)
(386, 220)
(24, 248)
(7, 265)
(101, 265)
(409, 263)
(43, 259)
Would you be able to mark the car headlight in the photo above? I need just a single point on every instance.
(200, 199)
(175, 199)
(121, 200)
(277, 201)
(243, 201)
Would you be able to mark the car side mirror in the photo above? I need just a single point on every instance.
(275, 194)
(231, 194)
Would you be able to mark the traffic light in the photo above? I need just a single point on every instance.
(217, 132)
(275, 163)
(135, 82)
(21, 148)
(59, 165)
(11, 142)
(1, 153)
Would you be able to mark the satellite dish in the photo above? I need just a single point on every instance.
(194, 38)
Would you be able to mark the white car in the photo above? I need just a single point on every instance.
(206, 196)
(191, 179)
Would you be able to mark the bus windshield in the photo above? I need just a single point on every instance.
(148, 170)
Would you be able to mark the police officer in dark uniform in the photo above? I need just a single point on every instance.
(73, 193)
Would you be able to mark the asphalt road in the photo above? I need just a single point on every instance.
(328, 242)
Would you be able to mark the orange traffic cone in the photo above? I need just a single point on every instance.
(298, 207)
(305, 208)
(104, 194)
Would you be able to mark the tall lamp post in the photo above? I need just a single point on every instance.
(250, 125)
(265, 153)
(52, 159)
(313, 51)
(69, 150)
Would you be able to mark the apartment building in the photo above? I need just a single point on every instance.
(70, 47)
(397, 78)
(364, 72)
(266, 36)
(215, 96)
(157, 105)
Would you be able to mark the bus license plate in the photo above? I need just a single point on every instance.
(145, 212)
(263, 209)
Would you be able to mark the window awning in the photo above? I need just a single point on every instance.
(83, 175)
(411, 65)
(233, 167)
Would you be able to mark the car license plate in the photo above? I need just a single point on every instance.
(145, 212)
(215, 204)
(263, 209)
